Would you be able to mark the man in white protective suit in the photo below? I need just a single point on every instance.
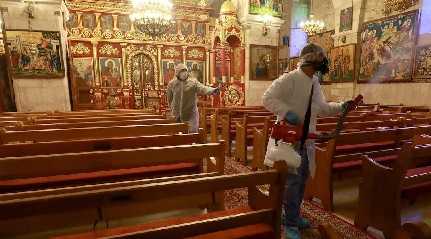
(296, 98)
(182, 92)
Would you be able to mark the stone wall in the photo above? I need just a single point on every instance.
(39, 94)
(253, 27)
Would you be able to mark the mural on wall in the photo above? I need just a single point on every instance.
(110, 71)
(342, 67)
(346, 19)
(263, 63)
(266, 7)
(326, 41)
(387, 48)
(423, 63)
(35, 54)
(197, 70)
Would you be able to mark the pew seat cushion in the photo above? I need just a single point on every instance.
(237, 233)
(358, 163)
(98, 176)
(352, 148)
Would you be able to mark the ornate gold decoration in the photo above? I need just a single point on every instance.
(108, 34)
(133, 50)
(398, 5)
(227, 25)
(109, 50)
(311, 26)
(227, 8)
(171, 52)
(195, 53)
(80, 49)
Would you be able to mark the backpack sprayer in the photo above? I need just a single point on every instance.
(288, 133)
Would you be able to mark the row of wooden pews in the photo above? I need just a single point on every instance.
(383, 186)
(87, 175)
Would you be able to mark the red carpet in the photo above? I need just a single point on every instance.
(313, 212)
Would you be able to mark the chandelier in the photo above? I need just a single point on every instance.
(398, 5)
(311, 26)
(152, 17)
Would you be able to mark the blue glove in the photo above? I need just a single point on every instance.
(292, 118)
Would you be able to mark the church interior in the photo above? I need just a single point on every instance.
(90, 146)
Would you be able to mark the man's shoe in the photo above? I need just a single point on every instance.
(292, 233)
(303, 223)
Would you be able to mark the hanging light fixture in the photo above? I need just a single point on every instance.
(312, 26)
(152, 17)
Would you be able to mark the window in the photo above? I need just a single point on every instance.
(298, 38)
(425, 27)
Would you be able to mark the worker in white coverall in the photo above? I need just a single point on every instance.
(296, 98)
(182, 95)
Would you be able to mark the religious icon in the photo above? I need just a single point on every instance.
(263, 63)
(89, 21)
(82, 69)
(124, 23)
(186, 28)
(346, 19)
(196, 70)
(200, 29)
(73, 21)
(107, 22)
(342, 67)
(387, 48)
(168, 70)
(110, 71)
(35, 54)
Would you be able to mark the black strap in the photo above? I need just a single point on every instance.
(307, 120)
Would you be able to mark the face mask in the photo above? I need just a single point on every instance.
(183, 75)
(323, 67)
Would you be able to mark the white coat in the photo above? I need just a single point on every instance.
(182, 99)
(291, 92)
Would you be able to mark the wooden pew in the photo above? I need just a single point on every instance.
(260, 138)
(50, 135)
(228, 121)
(381, 187)
(259, 219)
(260, 143)
(59, 170)
(88, 124)
(88, 145)
(206, 112)
(345, 153)
(244, 133)
(92, 119)
(419, 230)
